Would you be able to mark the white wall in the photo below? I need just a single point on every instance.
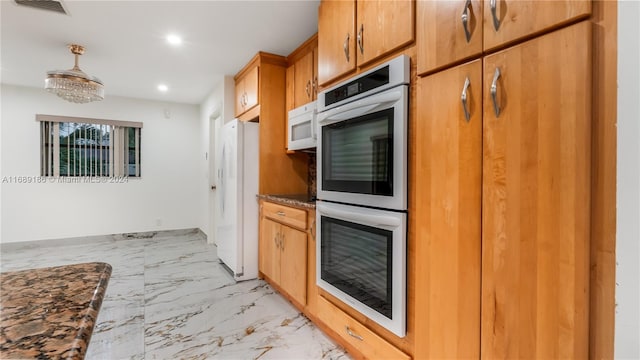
(627, 322)
(220, 103)
(166, 197)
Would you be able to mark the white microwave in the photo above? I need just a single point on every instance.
(302, 127)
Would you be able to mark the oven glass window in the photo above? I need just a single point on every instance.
(357, 259)
(357, 155)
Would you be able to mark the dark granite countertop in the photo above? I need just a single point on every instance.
(50, 313)
(296, 200)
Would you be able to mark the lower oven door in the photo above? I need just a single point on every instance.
(361, 260)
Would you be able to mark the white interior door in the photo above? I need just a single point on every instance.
(214, 134)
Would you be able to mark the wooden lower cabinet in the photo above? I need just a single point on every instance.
(348, 330)
(536, 198)
(283, 250)
(503, 159)
(448, 162)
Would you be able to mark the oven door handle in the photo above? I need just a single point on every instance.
(360, 107)
(359, 217)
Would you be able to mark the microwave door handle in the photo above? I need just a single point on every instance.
(366, 219)
(360, 107)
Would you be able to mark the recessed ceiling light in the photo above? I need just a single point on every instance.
(174, 39)
(163, 88)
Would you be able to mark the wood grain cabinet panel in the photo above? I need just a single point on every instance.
(282, 251)
(536, 198)
(336, 39)
(383, 26)
(448, 162)
(508, 20)
(447, 32)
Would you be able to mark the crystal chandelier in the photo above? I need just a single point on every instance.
(74, 85)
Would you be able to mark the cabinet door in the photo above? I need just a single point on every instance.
(509, 20)
(303, 80)
(448, 162)
(536, 198)
(336, 39)
(251, 88)
(447, 32)
(293, 263)
(269, 249)
(240, 108)
(382, 27)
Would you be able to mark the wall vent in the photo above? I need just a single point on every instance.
(49, 5)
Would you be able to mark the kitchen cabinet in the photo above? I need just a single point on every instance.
(447, 32)
(448, 233)
(502, 153)
(283, 249)
(302, 78)
(450, 32)
(270, 112)
(536, 197)
(507, 20)
(355, 33)
(336, 39)
(246, 90)
(356, 337)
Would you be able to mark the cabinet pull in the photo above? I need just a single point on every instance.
(280, 213)
(314, 85)
(496, 21)
(308, 88)
(494, 92)
(352, 334)
(275, 240)
(313, 229)
(463, 97)
(345, 46)
(465, 20)
(359, 39)
(282, 241)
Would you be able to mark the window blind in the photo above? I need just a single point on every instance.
(73, 146)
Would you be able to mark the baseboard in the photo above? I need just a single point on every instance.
(13, 246)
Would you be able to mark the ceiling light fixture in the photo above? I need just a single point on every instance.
(74, 85)
(174, 39)
(163, 88)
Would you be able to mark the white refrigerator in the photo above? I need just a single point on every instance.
(237, 206)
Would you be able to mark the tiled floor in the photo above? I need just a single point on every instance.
(169, 298)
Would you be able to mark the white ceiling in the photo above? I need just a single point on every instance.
(126, 43)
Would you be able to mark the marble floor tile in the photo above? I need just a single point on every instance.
(170, 298)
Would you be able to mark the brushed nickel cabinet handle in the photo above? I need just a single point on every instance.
(465, 20)
(313, 229)
(494, 92)
(352, 334)
(346, 47)
(308, 88)
(281, 213)
(494, 10)
(360, 39)
(463, 97)
(275, 240)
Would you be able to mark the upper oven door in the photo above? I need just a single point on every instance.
(362, 151)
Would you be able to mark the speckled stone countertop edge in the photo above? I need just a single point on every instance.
(299, 201)
(18, 311)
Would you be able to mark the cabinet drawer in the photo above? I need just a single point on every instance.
(370, 345)
(284, 214)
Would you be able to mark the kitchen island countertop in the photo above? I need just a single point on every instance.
(50, 313)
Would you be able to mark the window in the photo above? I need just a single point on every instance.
(89, 147)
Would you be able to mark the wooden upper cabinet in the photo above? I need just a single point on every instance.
(508, 20)
(304, 80)
(536, 198)
(336, 39)
(247, 91)
(383, 26)
(447, 32)
(448, 165)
